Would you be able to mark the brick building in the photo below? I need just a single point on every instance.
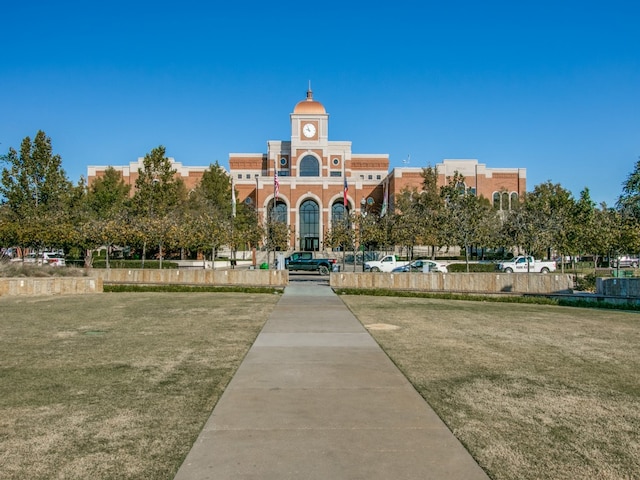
(313, 173)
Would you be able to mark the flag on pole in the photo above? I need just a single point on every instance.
(233, 198)
(346, 191)
(276, 184)
(385, 199)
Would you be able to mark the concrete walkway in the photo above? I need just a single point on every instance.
(317, 398)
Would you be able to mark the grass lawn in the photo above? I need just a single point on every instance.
(118, 385)
(533, 391)
(115, 386)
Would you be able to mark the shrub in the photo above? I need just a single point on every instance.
(155, 264)
(586, 283)
(473, 267)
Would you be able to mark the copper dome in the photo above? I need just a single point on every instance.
(309, 105)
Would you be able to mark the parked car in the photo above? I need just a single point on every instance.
(306, 261)
(625, 261)
(29, 258)
(421, 266)
(524, 264)
(53, 259)
(386, 263)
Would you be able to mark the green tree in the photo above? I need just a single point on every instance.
(157, 190)
(470, 220)
(36, 193)
(582, 229)
(108, 195)
(277, 235)
(629, 201)
(541, 222)
(214, 190)
(432, 210)
(341, 235)
(158, 194)
(408, 220)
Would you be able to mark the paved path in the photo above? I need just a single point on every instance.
(316, 398)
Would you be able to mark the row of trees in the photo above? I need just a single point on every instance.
(41, 208)
(545, 221)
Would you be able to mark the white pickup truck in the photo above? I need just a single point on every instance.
(526, 265)
(383, 264)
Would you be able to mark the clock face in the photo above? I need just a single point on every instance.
(309, 130)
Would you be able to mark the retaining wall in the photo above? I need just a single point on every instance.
(519, 283)
(50, 286)
(618, 287)
(255, 278)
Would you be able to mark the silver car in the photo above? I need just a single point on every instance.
(422, 266)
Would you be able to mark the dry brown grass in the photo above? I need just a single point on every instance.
(115, 386)
(21, 269)
(533, 391)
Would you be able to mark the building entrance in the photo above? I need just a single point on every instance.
(309, 226)
(311, 244)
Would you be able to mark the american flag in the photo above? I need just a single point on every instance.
(346, 191)
(276, 184)
(233, 198)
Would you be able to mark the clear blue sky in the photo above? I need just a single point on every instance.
(551, 86)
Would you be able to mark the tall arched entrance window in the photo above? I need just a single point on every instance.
(279, 213)
(309, 226)
(309, 167)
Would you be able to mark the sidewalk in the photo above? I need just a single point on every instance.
(317, 398)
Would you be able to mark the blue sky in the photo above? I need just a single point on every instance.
(551, 86)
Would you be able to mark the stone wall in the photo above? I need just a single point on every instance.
(244, 277)
(50, 286)
(618, 287)
(486, 283)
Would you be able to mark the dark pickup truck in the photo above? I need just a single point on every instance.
(305, 261)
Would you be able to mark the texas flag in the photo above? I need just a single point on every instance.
(346, 191)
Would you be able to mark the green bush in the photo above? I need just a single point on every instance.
(473, 267)
(586, 283)
(151, 264)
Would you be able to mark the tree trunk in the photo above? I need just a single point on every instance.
(88, 258)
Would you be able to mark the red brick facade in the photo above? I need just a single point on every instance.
(312, 172)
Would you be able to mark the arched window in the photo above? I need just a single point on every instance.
(505, 201)
(339, 212)
(279, 212)
(309, 167)
(514, 200)
(496, 200)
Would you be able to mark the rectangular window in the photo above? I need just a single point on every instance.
(239, 176)
(333, 173)
(370, 177)
(378, 177)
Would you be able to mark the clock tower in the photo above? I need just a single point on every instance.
(309, 124)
